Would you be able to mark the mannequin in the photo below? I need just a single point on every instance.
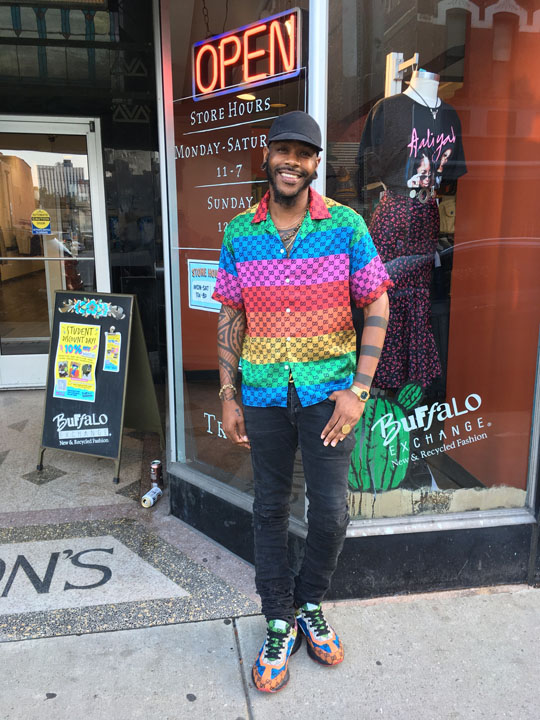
(424, 85)
(410, 143)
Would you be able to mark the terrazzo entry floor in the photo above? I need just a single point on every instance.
(78, 554)
(85, 577)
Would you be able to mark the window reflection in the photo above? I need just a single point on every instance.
(46, 234)
(454, 432)
(219, 145)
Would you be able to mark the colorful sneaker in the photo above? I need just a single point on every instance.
(323, 645)
(270, 671)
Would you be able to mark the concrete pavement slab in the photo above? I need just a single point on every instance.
(442, 656)
(164, 673)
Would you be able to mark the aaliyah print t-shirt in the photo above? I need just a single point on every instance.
(408, 148)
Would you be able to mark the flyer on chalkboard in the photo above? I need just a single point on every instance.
(111, 359)
(75, 364)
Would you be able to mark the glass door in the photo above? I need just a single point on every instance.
(52, 233)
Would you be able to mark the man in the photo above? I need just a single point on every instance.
(288, 269)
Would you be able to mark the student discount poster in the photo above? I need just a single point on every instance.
(76, 360)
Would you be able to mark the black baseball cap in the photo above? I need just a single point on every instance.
(296, 125)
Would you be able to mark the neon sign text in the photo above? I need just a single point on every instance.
(253, 55)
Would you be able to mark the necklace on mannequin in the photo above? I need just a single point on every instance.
(432, 110)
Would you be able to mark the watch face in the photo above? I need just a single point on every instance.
(362, 395)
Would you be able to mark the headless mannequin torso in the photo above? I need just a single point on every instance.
(405, 234)
(424, 87)
(409, 141)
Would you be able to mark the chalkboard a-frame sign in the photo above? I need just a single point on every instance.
(98, 377)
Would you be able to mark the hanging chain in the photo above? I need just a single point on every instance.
(226, 14)
(206, 18)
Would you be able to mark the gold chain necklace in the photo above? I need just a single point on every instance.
(300, 217)
(289, 238)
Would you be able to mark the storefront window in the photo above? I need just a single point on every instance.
(95, 59)
(236, 66)
(447, 193)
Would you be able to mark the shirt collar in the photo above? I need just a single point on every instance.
(317, 207)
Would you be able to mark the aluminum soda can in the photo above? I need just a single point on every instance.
(156, 472)
(151, 497)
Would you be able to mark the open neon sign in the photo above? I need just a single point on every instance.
(253, 55)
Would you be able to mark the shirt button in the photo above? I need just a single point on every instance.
(287, 280)
(287, 309)
(282, 250)
(288, 339)
(286, 367)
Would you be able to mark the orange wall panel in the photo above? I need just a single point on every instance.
(495, 293)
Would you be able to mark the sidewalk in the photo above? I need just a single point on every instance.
(443, 656)
(108, 610)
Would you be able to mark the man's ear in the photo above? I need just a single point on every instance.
(265, 158)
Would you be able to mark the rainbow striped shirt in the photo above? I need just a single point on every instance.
(298, 309)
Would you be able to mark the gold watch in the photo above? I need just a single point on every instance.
(362, 395)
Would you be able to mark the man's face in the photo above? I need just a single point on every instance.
(291, 166)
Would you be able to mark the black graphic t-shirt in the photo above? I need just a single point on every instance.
(407, 148)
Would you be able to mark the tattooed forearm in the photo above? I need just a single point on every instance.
(231, 329)
(363, 379)
(371, 350)
(375, 324)
(376, 321)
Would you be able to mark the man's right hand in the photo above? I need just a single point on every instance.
(233, 423)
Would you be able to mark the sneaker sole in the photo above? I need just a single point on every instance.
(318, 660)
(271, 690)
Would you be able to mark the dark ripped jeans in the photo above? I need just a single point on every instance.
(275, 433)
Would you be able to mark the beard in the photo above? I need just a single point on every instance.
(287, 201)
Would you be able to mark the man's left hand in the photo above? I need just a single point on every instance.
(348, 411)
